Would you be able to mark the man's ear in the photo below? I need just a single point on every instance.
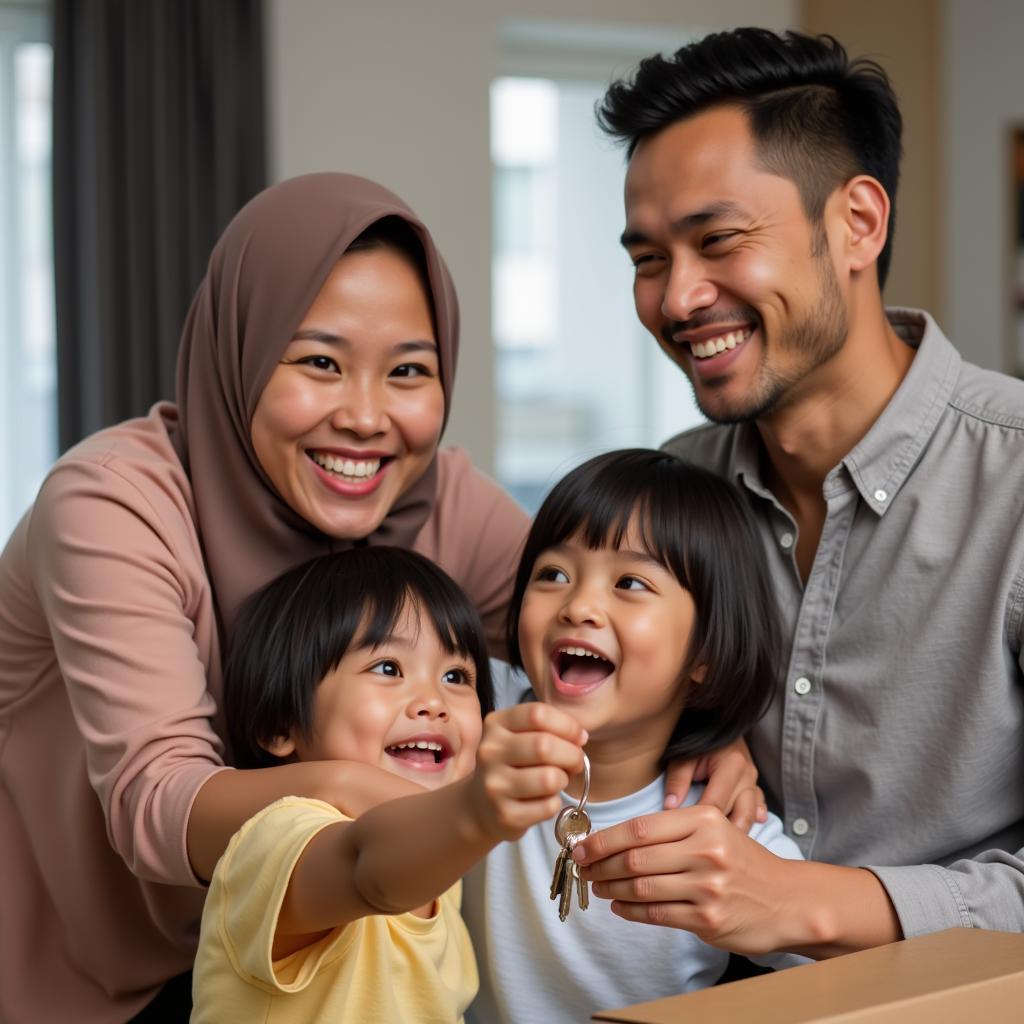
(865, 211)
(280, 746)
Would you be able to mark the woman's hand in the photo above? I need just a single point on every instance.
(526, 757)
(731, 778)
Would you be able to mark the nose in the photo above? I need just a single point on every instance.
(428, 704)
(687, 290)
(361, 409)
(582, 607)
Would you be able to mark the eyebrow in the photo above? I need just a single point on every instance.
(724, 208)
(313, 334)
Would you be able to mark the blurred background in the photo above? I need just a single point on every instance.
(131, 131)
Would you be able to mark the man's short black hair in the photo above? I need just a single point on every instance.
(699, 527)
(295, 631)
(817, 117)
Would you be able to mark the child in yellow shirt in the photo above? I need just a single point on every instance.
(373, 655)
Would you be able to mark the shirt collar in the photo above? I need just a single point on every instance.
(885, 457)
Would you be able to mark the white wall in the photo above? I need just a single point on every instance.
(983, 76)
(398, 91)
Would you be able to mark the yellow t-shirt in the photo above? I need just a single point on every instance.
(398, 968)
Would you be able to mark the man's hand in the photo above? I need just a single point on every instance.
(526, 757)
(731, 778)
(692, 869)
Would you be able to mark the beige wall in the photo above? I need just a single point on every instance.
(904, 38)
(397, 90)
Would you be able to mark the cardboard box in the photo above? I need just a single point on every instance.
(950, 977)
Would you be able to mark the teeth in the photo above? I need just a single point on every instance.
(418, 745)
(581, 652)
(357, 469)
(711, 347)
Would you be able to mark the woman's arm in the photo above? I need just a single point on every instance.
(229, 798)
(405, 853)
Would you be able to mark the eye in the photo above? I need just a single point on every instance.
(714, 239)
(387, 667)
(631, 583)
(457, 677)
(551, 574)
(645, 262)
(409, 370)
(325, 363)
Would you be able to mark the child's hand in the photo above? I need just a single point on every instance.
(526, 757)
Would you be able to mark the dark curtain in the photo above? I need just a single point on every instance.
(158, 119)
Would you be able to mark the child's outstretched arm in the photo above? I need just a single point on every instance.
(405, 853)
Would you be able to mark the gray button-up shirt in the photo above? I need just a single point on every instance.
(897, 736)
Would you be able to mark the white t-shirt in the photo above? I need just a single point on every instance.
(534, 967)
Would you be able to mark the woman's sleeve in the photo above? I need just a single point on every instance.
(116, 566)
(481, 536)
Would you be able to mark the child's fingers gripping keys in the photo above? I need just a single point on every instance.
(526, 757)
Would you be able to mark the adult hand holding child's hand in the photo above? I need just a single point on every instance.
(525, 759)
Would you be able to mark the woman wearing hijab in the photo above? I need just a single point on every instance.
(314, 380)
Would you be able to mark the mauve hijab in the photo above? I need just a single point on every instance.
(263, 276)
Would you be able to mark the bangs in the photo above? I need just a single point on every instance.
(384, 613)
(606, 499)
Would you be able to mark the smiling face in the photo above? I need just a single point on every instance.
(732, 280)
(605, 635)
(407, 706)
(352, 415)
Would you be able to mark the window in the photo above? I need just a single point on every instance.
(575, 372)
(28, 429)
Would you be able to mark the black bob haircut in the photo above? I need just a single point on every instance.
(699, 527)
(293, 632)
(817, 117)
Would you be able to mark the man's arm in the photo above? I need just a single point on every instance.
(693, 869)
(405, 853)
(985, 892)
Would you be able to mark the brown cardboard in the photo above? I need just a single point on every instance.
(950, 977)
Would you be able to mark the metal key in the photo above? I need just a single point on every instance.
(571, 825)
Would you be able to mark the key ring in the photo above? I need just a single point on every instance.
(586, 784)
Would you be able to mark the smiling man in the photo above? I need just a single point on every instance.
(887, 476)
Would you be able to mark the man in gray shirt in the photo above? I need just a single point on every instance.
(887, 476)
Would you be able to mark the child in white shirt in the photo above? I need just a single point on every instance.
(642, 607)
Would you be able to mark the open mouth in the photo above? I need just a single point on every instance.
(348, 470)
(423, 754)
(579, 670)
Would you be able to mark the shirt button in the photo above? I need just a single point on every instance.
(802, 686)
(786, 540)
(800, 827)
(881, 495)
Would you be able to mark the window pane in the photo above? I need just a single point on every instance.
(28, 391)
(575, 373)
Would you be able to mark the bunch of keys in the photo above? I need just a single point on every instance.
(571, 825)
